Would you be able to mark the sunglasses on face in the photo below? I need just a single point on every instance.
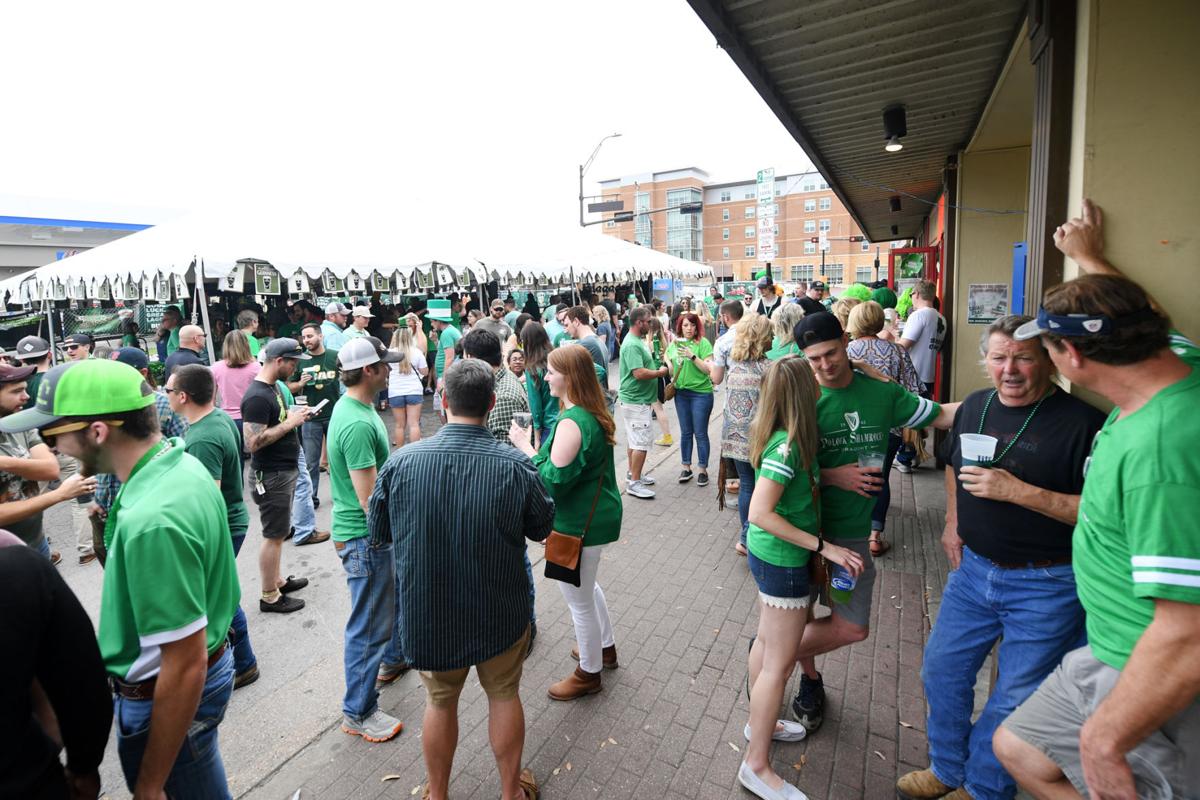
(50, 434)
(72, 347)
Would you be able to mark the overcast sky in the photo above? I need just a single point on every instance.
(457, 108)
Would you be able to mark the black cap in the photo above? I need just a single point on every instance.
(817, 328)
(817, 285)
(80, 338)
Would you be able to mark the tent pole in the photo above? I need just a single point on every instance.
(574, 289)
(482, 308)
(49, 307)
(202, 302)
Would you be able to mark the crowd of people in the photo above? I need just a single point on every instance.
(1067, 539)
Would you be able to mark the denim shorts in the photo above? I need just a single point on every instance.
(405, 400)
(781, 587)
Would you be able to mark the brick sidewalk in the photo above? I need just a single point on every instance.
(669, 721)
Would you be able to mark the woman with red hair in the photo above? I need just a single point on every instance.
(690, 358)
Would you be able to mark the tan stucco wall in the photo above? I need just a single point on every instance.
(1136, 147)
(991, 179)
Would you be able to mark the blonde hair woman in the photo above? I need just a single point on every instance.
(784, 532)
(405, 387)
(747, 364)
(658, 342)
(841, 309)
(784, 322)
(233, 375)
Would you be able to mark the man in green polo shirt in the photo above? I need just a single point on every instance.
(447, 336)
(170, 583)
(854, 415)
(315, 380)
(358, 447)
(1120, 717)
(212, 437)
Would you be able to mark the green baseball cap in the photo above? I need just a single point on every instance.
(91, 388)
(439, 310)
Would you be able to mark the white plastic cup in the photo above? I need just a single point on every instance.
(978, 450)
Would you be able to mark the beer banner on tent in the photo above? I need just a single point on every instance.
(266, 279)
(298, 283)
(235, 280)
(130, 290)
(445, 276)
(422, 279)
(58, 290)
(332, 284)
(354, 283)
(464, 278)
(180, 285)
(148, 288)
(400, 282)
(162, 287)
(380, 283)
(103, 289)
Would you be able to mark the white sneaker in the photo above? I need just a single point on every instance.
(639, 489)
(648, 480)
(757, 786)
(792, 732)
(379, 727)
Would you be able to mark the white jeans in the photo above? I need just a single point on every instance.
(589, 612)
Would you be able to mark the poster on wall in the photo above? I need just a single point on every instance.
(235, 280)
(266, 279)
(986, 302)
(911, 265)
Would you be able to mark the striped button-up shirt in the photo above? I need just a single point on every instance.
(459, 507)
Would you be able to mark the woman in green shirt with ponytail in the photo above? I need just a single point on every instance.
(535, 343)
(690, 357)
(576, 464)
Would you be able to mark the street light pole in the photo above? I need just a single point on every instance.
(583, 168)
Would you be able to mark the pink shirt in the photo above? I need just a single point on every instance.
(232, 383)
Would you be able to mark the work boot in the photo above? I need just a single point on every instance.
(922, 784)
(576, 685)
(609, 656)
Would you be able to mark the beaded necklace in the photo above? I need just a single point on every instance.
(1024, 425)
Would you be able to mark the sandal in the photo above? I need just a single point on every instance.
(878, 544)
(528, 785)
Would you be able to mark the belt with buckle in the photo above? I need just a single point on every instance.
(1049, 562)
(144, 690)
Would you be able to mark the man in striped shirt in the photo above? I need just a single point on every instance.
(464, 594)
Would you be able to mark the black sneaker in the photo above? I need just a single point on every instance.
(685, 476)
(284, 605)
(246, 677)
(702, 479)
(808, 707)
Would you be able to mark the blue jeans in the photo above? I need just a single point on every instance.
(43, 547)
(745, 491)
(371, 624)
(198, 773)
(304, 518)
(312, 434)
(1037, 617)
(532, 591)
(239, 634)
(879, 515)
(693, 410)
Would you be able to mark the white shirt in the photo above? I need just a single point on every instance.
(722, 347)
(926, 329)
(409, 381)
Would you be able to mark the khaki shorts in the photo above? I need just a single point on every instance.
(639, 433)
(1051, 718)
(858, 610)
(500, 677)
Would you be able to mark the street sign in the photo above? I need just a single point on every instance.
(607, 205)
(766, 214)
(823, 241)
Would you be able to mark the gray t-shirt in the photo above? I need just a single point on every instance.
(926, 329)
(498, 327)
(592, 343)
(14, 487)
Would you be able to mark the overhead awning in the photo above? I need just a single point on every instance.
(828, 69)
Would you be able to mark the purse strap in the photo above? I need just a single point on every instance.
(595, 502)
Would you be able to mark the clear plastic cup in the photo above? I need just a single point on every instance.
(523, 418)
(873, 462)
(978, 450)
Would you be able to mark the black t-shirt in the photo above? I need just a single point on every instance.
(1049, 455)
(264, 404)
(180, 358)
(811, 306)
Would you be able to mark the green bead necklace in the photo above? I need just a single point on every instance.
(1024, 425)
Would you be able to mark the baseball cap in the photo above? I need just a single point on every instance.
(362, 311)
(336, 308)
(32, 347)
(133, 356)
(91, 388)
(283, 348)
(13, 374)
(439, 310)
(764, 282)
(497, 303)
(817, 328)
(1079, 324)
(79, 338)
(363, 351)
(817, 285)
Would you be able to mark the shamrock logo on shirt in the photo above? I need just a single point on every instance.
(782, 450)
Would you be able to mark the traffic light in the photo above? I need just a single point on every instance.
(815, 239)
(854, 239)
(623, 216)
(691, 208)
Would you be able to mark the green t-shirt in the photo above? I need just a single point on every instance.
(31, 388)
(357, 439)
(635, 355)
(324, 384)
(687, 374)
(1135, 539)
(173, 341)
(779, 351)
(781, 463)
(542, 405)
(170, 569)
(446, 340)
(213, 440)
(856, 419)
(560, 338)
(574, 487)
(255, 346)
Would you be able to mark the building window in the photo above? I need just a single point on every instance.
(810, 226)
(866, 246)
(641, 224)
(796, 271)
(824, 225)
(610, 224)
(749, 214)
(835, 273)
(894, 245)
(810, 248)
(749, 251)
(726, 196)
(806, 272)
(751, 194)
(724, 233)
(883, 271)
(775, 209)
(749, 232)
(725, 215)
(684, 231)
(810, 186)
(810, 205)
(863, 274)
(823, 184)
(776, 231)
(724, 252)
(826, 204)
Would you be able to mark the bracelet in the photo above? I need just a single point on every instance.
(820, 544)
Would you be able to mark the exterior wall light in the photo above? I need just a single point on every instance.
(895, 127)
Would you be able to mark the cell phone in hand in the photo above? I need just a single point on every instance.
(312, 412)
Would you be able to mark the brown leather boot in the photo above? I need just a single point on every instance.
(576, 685)
(921, 785)
(608, 656)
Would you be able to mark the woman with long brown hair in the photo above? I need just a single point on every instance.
(576, 464)
(233, 375)
(536, 344)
